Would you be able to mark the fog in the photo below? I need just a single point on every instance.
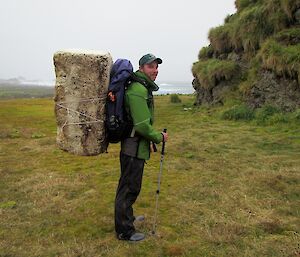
(32, 30)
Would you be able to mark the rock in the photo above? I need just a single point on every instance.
(82, 79)
(25, 148)
(214, 95)
(277, 91)
(204, 96)
(234, 57)
(297, 16)
(223, 56)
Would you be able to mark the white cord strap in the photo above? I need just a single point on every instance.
(94, 120)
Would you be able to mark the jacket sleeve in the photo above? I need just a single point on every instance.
(141, 116)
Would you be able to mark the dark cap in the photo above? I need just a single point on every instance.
(148, 58)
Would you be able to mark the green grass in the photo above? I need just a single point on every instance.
(229, 188)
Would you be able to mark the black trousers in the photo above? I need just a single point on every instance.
(129, 187)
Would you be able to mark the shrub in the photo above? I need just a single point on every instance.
(15, 134)
(264, 113)
(175, 98)
(296, 115)
(238, 112)
(278, 118)
(8, 205)
(37, 135)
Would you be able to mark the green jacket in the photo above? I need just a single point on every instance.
(139, 104)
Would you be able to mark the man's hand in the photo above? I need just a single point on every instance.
(153, 147)
(165, 136)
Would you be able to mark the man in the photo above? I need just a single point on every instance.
(136, 148)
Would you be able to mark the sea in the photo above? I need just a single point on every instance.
(164, 87)
(174, 88)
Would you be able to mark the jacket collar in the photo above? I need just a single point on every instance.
(151, 85)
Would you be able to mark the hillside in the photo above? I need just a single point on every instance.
(253, 57)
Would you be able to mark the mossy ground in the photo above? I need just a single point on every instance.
(229, 188)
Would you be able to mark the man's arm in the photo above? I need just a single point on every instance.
(141, 115)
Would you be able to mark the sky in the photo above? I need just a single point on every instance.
(31, 31)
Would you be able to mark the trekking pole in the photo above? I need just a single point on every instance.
(158, 183)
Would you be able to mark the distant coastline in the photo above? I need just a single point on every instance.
(21, 88)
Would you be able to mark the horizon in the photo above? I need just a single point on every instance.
(23, 79)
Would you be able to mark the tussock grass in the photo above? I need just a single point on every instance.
(289, 6)
(210, 72)
(283, 60)
(238, 112)
(260, 35)
(266, 115)
(289, 36)
(174, 98)
(205, 52)
(247, 29)
(220, 39)
(242, 4)
(229, 188)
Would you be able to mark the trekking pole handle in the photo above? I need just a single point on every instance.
(164, 143)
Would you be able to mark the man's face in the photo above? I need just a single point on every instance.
(150, 69)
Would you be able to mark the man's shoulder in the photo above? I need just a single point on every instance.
(137, 88)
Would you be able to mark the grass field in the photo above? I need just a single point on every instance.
(229, 188)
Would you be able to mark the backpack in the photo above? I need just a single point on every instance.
(118, 123)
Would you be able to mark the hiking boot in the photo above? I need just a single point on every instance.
(136, 236)
(139, 218)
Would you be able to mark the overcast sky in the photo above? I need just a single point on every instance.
(32, 30)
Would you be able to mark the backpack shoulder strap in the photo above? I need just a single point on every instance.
(133, 78)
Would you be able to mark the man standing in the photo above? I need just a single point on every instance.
(136, 148)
